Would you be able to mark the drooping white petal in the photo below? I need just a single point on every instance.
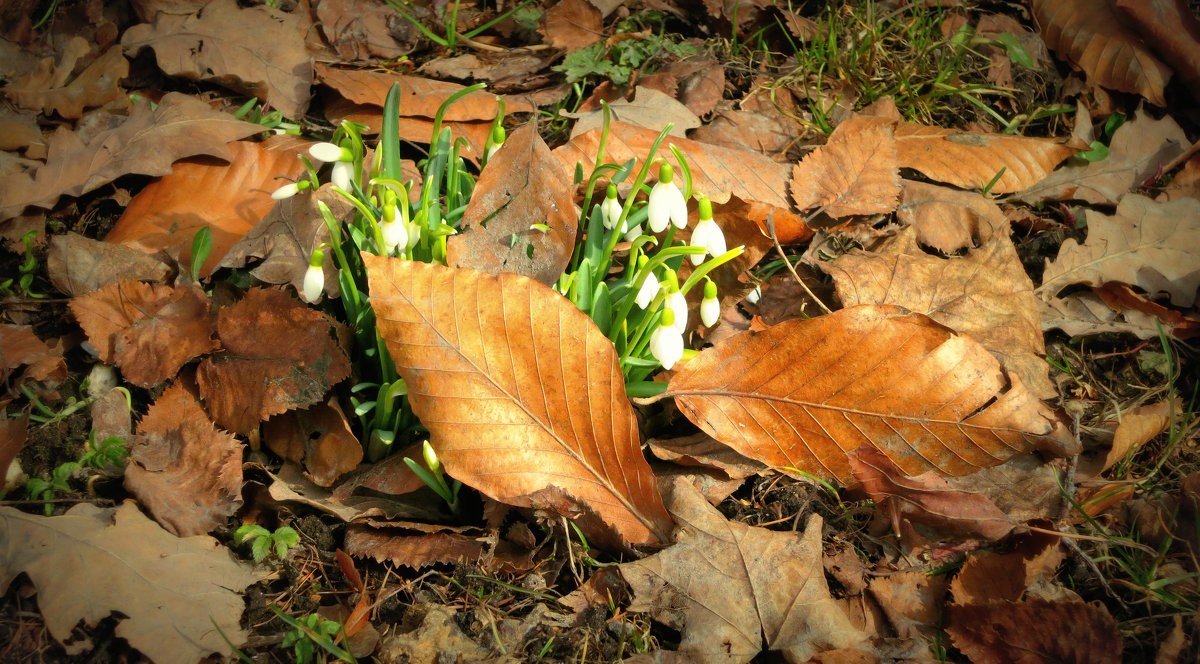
(395, 234)
(710, 311)
(707, 234)
(342, 174)
(666, 205)
(678, 303)
(647, 292)
(610, 212)
(326, 152)
(314, 283)
(666, 345)
(286, 191)
(753, 296)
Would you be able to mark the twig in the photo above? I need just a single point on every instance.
(770, 223)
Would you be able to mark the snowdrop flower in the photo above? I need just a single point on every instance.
(343, 162)
(395, 231)
(753, 296)
(710, 309)
(314, 277)
(610, 209)
(290, 189)
(495, 140)
(666, 342)
(678, 304)
(707, 234)
(649, 289)
(666, 202)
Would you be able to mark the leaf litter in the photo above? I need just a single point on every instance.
(881, 483)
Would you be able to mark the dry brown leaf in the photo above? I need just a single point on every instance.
(985, 294)
(573, 24)
(649, 108)
(855, 172)
(277, 355)
(359, 30)
(505, 70)
(167, 592)
(1033, 631)
(1093, 36)
(258, 51)
(926, 500)
(1173, 31)
(419, 97)
(522, 394)
(318, 436)
(227, 198)
(1025, 487)
(1146, 244)
(1138, 427)
(282, 242)
(413, 550)
(701, 82)
(701, 449)
(988, 576)
(13, 433)
(185, 471)
(767, 133)
(946, 219)
(1121, 297)
(523, 185)
(145, 143)
(46, 88)
(1084, 313)
(147, 330)
(389, 476)
(78, 265)
(734, 590)
(1138, 151)
(19, 130)
(802, 394)
(911, 601)
(20, 347)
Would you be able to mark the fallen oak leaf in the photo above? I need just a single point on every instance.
(167, 591)
(735, 590)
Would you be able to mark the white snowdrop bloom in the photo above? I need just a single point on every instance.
(314, 277)
(342, 174)
(610, 208)
(647, 292)
(710, 308)
(286, 191)
(678, 304)
(753, 296)
(707, 234)
(667, 204)
(328, 152)
(666, 342)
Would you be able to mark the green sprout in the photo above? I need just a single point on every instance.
(263, 542)
(309, 632)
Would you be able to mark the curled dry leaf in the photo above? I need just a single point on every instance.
(522, 394)
(411, 549)
(573, 24)
(20, 347)
(802, 394)
(318, 436)
(277, 355)
(855, 172)
(734, 590)
(258, 51)
(946, 219)
(926, 500)
(1173, 31)
(419, 97)
(988, 577)
(185, 471)
(228, 199)
(145, 143)
(149, 331)
(524, 186)
(46, 88)
(167, 592)
(1033, 631)
(985, 294)
(1093, 36)
(1146, 244)
(1140, 148)
(78, 265)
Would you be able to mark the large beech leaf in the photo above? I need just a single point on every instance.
(854, 173)
(521, 392)
(803, 393)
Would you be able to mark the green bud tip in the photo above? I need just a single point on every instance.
(665, 173)
(672, 281)
(710, 289)
(316, 258)
(668, 318)
(611, 192)
(705, 208)
(642, 260)
(498, 134)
